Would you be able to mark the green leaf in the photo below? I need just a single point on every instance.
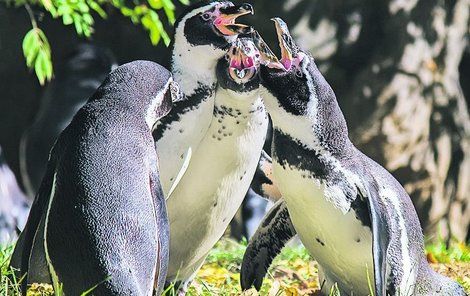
(64, 9)
(97, 8)
(127, 11)
(88, 19)
(169, 4)
(31, 44)
(185, 2)
(170, 14)
(28, 40)
(39, 67)
(77, 23)
(161, 29)
(67, 19)
(83, 7)
(156, 4)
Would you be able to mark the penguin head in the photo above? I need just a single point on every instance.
(212, 23)
(141, 87)
(238, 70)
(206, 30)
(286, 78)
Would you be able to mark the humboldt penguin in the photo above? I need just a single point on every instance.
(354, 218)
(99, 218)
(74, 82)
(203, 33)
(222, 167)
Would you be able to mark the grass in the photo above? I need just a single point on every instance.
(293, 272)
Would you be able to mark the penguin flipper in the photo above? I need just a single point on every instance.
(380, 241)
(163, 230)
(263, 182)
(21, 253)
(38, 267)
(274, 232)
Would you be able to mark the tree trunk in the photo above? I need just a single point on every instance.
(394, 66)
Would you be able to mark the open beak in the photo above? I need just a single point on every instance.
(267, 56)
(225, 22)
(286, 42)
(290, 54)
(242, 62)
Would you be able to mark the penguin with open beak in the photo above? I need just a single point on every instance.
(221, 169)
(203, 33)
(354, 218)
(99, 219)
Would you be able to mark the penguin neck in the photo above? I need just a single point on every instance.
(193, 66)
(318, 123)
(243, 102)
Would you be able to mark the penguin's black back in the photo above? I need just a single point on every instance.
(100, 199)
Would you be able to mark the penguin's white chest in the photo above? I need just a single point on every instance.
(180, 136)
(214, 185)
(338, 242)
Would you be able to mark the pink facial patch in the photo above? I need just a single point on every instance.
(248, 62)
(236, 64)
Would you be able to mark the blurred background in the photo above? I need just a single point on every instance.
(400, 70)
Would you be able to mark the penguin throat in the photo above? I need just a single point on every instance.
(194, 65)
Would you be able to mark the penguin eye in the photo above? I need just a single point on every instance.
(299, 73)
(206, 16)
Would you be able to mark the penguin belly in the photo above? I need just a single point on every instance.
(339, 242)
(179, 136)
(214, 185)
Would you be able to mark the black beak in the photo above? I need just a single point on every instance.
(225, 22)
(289, 49)
(238, 10)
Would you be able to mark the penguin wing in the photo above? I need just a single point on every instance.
(380, 239)
(263, 181)
(21, 254)
(184, 167)
(274, 232)
(163, 230)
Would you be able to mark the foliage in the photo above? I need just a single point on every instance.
(81, 14)
(440, 252)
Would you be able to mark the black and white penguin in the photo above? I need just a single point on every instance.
(221, 169)
(202, 36)
(354, 218)
(99, 219)
(82, 73)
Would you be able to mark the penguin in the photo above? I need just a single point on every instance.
(203, 33)
(221, 169)
(354, 218)
(99, 219)
(82, 73)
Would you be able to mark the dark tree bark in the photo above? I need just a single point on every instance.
(394, 66)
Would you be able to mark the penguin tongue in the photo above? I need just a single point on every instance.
(287, 63)
(233, 29)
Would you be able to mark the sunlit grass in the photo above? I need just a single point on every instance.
(292, 273)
